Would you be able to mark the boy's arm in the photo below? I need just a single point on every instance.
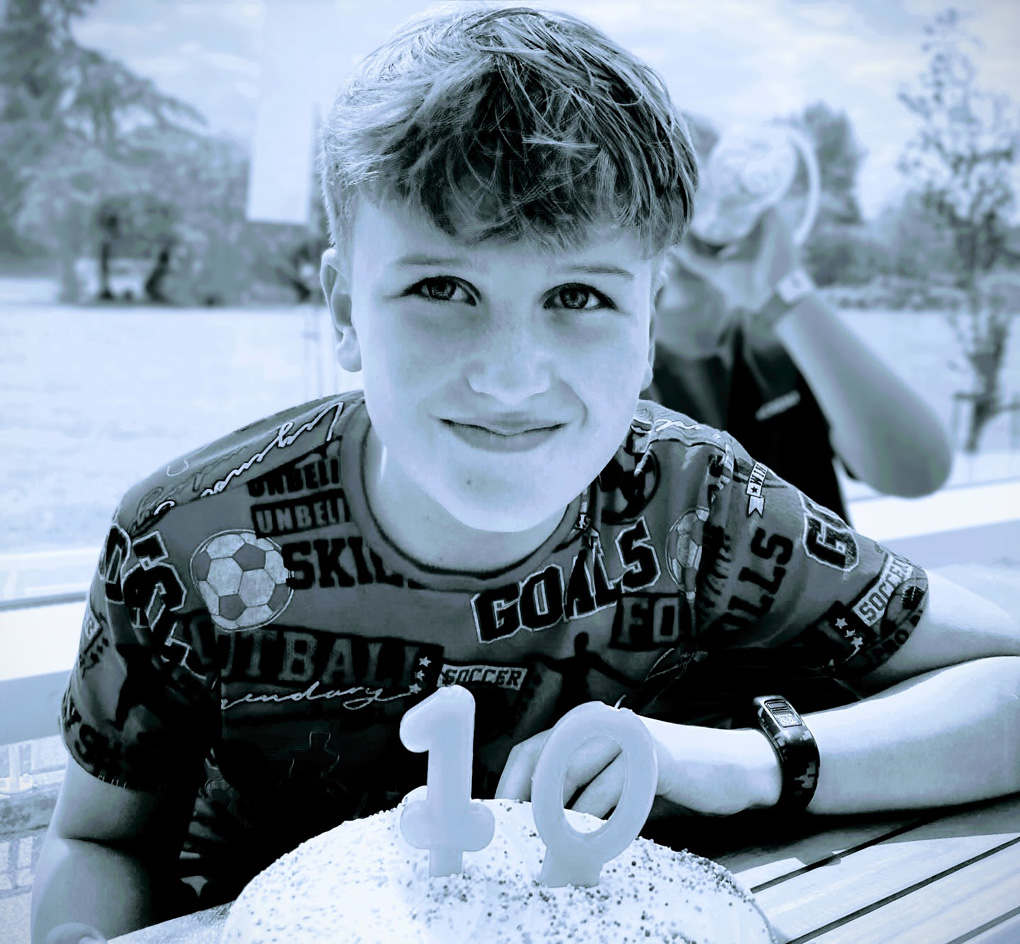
(949, 736)
(947, 731)
(108, 858)
(945, 737)
(956, 626)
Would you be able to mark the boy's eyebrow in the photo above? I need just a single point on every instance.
(423, 259)
(601, 269)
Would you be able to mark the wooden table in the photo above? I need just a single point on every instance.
(934, 877)
(930, 877)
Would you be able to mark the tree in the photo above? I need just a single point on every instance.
(961, 163)
(30, 36)
(67, 115)
(841, 250)
(839, 156)
(915, 243)
(220, 255)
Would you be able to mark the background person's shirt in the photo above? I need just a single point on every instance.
(253, 636)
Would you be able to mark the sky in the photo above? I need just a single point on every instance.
(733, 61)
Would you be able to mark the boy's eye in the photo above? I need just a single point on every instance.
(441, 289)
(580, 298)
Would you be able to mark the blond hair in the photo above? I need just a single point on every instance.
(512, 124)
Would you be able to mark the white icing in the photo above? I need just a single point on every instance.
(361, 883)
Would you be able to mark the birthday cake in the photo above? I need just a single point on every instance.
(362, 883)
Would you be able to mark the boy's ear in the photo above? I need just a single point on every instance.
(336, 287)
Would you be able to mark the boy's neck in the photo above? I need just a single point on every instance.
(424, 531)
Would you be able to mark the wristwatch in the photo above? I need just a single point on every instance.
(794, 745)
(791, 289)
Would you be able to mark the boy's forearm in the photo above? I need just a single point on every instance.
(950, 736)
(91, 883)
(881, 428)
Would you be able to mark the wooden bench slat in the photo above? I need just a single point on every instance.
(1001, 932)
(945, 910)
(857, 880)
(760, 865)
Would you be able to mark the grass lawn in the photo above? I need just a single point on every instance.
(94, 398)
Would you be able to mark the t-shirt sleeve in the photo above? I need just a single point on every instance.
(138, 708)
(780, 571)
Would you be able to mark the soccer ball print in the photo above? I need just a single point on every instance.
(683, 550)
(242, 579)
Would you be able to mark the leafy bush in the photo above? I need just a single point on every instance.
(899, 293)
(843, 255)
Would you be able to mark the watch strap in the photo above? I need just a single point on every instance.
(795, 747)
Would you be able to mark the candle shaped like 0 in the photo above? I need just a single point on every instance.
(447, 822)
(574, 857)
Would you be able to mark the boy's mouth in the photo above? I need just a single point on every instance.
(504, 434)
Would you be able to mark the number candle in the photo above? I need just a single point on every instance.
(446, 822)
(574, 857)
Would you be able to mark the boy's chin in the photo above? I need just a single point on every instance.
(493, 519)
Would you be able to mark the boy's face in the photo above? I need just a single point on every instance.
(499, 378)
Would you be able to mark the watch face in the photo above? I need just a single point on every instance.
(783, 713)
(786, 718)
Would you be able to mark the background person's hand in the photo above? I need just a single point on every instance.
(704, 770)
(74, 933)
(747, 274)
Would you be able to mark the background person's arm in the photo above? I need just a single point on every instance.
(879, 426)
(108, 858)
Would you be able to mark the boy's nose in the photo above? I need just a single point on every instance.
(510, 365)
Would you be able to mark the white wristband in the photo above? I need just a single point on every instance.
(793, 286)
(790, 289)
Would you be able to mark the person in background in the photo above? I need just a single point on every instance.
(745, 343)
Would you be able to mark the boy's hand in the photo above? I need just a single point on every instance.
(705, 770)
(74, 933)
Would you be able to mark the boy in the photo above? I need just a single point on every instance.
(495, 510)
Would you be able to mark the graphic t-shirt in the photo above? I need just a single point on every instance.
(252, 636)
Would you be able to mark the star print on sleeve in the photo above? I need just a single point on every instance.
(833, 639)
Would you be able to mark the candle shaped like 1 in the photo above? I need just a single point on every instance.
(447, 822)
(574, 857)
